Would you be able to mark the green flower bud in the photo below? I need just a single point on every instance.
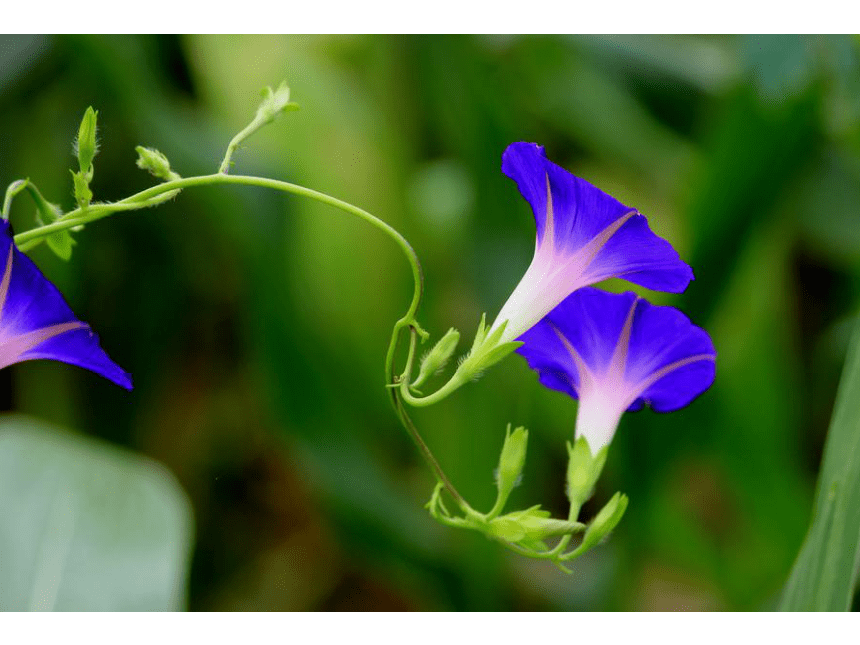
(583, 470)
(530, 525)
(274, 102)
(606, 520)
(86, 146)
(511, 461)
(437, 357)
(155, 163)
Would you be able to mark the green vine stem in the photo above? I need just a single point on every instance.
(486, 349)
(167, 190)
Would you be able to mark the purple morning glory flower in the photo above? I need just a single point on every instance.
(583, 236)
(36, 322)
(618, 352)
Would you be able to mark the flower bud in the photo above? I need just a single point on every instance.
(530, 525)
(437, 357)
(86, 146)
(274, 102)
(511, 461)
(155, 163)
(606, 520)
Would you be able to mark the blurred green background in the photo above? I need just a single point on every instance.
(255, 324)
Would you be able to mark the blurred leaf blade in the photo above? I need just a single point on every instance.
(825, 573)
(81, 519)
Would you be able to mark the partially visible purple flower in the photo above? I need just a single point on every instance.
(36, 322)
(584, 236)
(618, 352)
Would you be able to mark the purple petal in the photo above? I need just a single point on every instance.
(80, 347)
(664, 341)
(607, 238)
(36, 322)
(635, 254)
(580, 211)
(635, 353)
(590, 321)
(678, 388)
(545, 353)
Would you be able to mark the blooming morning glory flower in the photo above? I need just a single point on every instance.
(36, 322)
(583, 236)
(618, 352)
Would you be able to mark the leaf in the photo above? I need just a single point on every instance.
(85, 526)
(61, 243)
(825, 573)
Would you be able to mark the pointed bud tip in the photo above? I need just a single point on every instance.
(86, 144)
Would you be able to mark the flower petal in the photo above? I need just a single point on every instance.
(635, 254)
(584, 236)
(545, 353)
(670, 359)
(590, 319)
(80, 347)
(624, 349)
(579, 211)
(36, 322)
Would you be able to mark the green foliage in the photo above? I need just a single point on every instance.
(235, 309)
(824, 578)
(86, 526)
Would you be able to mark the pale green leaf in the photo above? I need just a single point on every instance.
(85, 526)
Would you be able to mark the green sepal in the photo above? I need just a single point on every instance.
(606, 520)
(83, 194)
(486, 350)
(496, 354)
(479, 334)
(86, 145)
(534, 545)
(437, 357)
(583, 470)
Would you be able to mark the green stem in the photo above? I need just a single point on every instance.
(413, 432)
(162, 192)
(250, 129)
(572, 514)
(455, 382)
(14, 188)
